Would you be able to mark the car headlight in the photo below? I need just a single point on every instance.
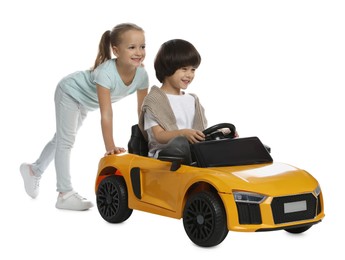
(248, 197)
(317, 191)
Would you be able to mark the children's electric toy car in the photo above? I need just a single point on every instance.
(221, 184)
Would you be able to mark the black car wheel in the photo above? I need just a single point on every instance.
(204, 219)
(298, 230)
(112, 199)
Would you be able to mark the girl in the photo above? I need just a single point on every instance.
(108, 81)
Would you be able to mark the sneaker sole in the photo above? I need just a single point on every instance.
(86, 207)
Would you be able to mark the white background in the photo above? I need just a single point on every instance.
(275, 69)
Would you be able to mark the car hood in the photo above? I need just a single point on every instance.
(274, 178)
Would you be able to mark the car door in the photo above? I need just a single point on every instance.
(158, 184)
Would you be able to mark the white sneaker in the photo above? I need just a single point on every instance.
(72, 201)
(31, 182)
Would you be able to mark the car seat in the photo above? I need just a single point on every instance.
(176, 148)
(137, 144)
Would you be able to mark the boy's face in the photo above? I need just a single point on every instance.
(181, 79)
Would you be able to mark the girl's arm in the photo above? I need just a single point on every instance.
(141, 94)
(107, 120)
(163, 137)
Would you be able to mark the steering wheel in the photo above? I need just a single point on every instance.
(213, 133)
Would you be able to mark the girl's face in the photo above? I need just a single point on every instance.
(131, 50)
(180, 80)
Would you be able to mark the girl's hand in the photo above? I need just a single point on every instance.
(116, 150)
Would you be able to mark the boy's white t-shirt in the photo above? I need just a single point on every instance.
(183, 107)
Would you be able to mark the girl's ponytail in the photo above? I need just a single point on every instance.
(104, 51)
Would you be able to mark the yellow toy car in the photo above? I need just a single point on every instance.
(221, 184)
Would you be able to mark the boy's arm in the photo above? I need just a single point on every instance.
(163, 136)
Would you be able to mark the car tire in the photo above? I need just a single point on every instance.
(112, 199)
(298, 230)
(204, 219)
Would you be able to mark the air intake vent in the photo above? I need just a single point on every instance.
(249, 213)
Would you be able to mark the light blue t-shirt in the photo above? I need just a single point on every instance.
(81, 85)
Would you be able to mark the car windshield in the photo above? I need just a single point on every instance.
(230, 152)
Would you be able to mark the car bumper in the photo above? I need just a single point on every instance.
(270, 214)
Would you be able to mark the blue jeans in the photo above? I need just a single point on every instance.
(70, 115)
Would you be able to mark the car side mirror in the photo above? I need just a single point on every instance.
(175, 162)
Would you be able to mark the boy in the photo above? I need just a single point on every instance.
(168, 112)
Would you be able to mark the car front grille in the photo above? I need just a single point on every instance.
(282, 215)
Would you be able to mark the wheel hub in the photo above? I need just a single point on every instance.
(200, 219)
(109, 199)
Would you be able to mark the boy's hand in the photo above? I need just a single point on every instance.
(227, 131)
(193, 136)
